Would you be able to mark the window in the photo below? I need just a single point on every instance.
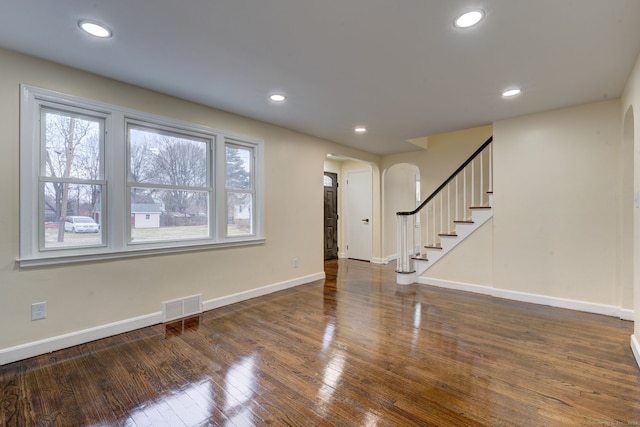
(71, 177)
(169, 172)
(101, 181)
(239, 189)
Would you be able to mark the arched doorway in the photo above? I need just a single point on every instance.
(401, 188)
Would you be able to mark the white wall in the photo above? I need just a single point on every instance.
(555, 203)
(554, 172)
(560, 233)
(399, 194)
(631, 126)
(443, 155)
(96, 295)
(471, 262)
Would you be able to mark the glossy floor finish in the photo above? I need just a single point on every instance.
(354, 350)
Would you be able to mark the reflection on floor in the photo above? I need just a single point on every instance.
(353, 350)
(178, 327)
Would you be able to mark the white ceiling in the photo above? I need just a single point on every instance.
(399, 67)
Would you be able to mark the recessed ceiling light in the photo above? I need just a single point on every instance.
(95, 29)
(511, 92)
(360, 129)
(277, 97)
(469, 19)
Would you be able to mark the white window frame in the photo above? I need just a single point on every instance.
(42, 178)
(208, 188)
(252, 190)
(116, 205)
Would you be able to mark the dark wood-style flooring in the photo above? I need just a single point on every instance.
(354, 350)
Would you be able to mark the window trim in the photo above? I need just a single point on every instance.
(229, 142)
(209, 139)
(116, 200)
(43, 179)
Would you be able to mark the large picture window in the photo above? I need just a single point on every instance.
(169, 181)
(101, 181)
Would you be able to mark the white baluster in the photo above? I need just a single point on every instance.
(435, 239)
(464, 192)
(491, 167)
(441, 216)
(473, 183)
(448, 222)
(426, 224)
(457, 197)
(481, 180)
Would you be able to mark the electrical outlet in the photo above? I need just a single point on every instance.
(38, 310)
(295, 263)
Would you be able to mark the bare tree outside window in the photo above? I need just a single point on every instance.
(100, 181)
(169, 178)
(71, 172)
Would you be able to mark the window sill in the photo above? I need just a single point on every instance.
(133, 253)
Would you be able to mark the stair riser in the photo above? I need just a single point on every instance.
(479, 216)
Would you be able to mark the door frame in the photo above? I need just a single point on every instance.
(334, 176)
(348, 213)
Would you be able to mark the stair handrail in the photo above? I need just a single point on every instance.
(451, 178)
(406, 220)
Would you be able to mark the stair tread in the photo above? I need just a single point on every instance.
(480, 207)
(447, 235)
(420, 258)
(433, 247)
(462, 221)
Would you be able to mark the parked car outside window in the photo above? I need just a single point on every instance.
(81, 224)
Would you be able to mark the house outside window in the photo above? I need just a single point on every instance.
(239, 189)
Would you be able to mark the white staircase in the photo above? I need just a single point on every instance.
(457, 208)
(463, 229)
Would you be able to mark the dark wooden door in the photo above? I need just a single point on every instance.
(330, 215)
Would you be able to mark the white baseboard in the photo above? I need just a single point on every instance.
(635, 347)
(626, 314)
(589, 307)
(47, 345)
(253, 293)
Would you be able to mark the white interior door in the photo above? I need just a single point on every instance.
(359, 210)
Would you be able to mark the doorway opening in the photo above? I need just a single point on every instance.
(348, 208)
(358, 214)
(330, 215)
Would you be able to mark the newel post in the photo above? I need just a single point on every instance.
(405, 242)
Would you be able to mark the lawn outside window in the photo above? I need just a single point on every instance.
(133, 183)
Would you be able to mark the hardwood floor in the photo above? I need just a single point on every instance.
(354, 350)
